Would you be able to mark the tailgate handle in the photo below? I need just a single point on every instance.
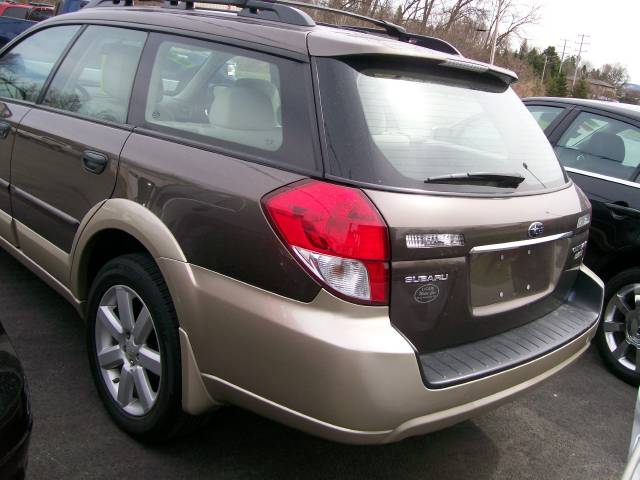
(94, 162)
(5, 128)
(622, 210)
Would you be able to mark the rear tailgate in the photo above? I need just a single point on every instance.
(499, 279)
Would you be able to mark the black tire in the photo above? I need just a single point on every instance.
(165, 418)
(613, 286)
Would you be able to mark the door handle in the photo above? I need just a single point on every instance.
(94, 162)
(5, 129)
(622, 210)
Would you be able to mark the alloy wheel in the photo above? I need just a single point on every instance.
(128, 352)
(621, 326)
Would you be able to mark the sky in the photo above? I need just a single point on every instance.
(613, 27)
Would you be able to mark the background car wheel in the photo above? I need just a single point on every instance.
(134, 348)
(618, 336)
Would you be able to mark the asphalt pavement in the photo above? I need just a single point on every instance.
(576, 425)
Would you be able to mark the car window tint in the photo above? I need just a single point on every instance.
(25, 68)
(544, 115)
(97, 76)
(601, 145)
(216, 94)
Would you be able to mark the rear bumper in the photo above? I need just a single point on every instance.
(330, 368)
(520, 345)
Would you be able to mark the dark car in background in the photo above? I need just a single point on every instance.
(15, 414)
(598, 143)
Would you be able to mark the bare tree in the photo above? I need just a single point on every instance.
(457, 11)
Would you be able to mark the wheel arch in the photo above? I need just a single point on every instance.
(118, 226)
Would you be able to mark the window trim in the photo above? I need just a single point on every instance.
(608, 178)
(18, 40)
(601, 113)
(137, 108)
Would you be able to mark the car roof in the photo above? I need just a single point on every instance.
(619, 108)
(318, 40)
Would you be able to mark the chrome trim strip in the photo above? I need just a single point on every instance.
(520, 243)
(602, 177)
(4, 183)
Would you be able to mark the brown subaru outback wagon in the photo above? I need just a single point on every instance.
(355, 231)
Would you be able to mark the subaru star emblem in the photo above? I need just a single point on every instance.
(536, 229)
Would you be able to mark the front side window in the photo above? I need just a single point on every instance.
(543, 114)
(601, 145)
(24, 69)
(96, 78)
(401, 123)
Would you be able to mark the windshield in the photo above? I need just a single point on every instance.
(400, 124)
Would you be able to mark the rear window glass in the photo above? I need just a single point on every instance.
(398, 124)
(238, 100)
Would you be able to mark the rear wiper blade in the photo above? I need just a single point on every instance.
(499, 180)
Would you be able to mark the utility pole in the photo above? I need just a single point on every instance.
(564, 48)
(580, 52)
(546, 59)
(495, 32)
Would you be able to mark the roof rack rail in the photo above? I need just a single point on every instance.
(390, 29)
(264, 9)
(285, 11)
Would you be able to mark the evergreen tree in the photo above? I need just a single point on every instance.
(582, 89)
(561, 81)
(557, 86)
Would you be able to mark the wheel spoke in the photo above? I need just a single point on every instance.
(622, 349)
(125, 386)
(143, 327)
(622, 305)
(637, 360)
(143, 388)
(111, 357)
(150, 359)
(110, 322)
(613, 326)
(636, 299)
(125, 308)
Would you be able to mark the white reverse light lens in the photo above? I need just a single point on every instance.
(431, 240)
(584, 220)
(345, 275)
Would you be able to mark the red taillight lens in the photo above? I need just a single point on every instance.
(338, 235)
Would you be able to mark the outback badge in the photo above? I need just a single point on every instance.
(426, 293)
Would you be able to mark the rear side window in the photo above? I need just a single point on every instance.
(544, 115)
(601, 145)
(235, 99)
(25, 68)
(96, 78)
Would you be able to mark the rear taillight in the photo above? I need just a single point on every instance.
(337, 234)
